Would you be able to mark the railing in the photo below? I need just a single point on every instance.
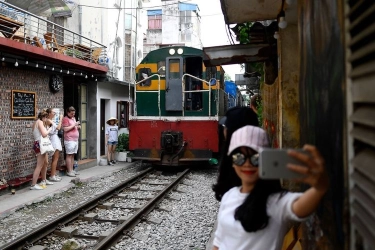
(148, 91)
(22, 26)
(196, 91)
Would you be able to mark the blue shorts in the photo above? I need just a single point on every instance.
(112, 143)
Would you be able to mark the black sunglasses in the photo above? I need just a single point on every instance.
(239, 159)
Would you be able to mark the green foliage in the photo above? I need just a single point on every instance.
(123, 143)
(244, 30)
(74, 53)
(227, 77)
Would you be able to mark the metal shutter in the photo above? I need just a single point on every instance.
(362, 121)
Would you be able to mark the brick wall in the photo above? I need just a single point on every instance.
(17, 157)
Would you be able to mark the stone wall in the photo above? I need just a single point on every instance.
(17, 157)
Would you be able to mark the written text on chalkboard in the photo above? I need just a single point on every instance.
(23, 104)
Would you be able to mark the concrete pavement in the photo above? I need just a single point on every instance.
(10, 203)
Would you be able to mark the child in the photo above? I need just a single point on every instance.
(255, 214)
(111, 139)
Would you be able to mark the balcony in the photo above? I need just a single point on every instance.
(32, 40)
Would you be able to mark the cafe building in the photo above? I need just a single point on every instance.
(43, 65)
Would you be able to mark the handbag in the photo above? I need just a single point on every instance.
(46, 145)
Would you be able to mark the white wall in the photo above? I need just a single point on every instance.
(112, 93)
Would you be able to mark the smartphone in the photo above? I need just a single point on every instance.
(273, 164)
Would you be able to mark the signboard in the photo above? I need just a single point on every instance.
(23, 104)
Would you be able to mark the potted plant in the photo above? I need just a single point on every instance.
(122, 147)
(129, 157)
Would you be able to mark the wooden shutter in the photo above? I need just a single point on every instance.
(362, 120)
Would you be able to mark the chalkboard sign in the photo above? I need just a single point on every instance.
(23, 104)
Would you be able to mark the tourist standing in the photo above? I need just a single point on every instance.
(111, 139)
(71, 135)
(39, 130)
(56, 142)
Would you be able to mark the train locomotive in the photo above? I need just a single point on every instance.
(177, 105)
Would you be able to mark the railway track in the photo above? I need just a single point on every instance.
(100, 222)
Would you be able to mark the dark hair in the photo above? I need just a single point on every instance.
(236, 118)
(49, 110)
(71, 108)
(252, 213)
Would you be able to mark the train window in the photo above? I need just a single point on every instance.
(142, 74)
(174, 69)
(161, 68)
(210, 73)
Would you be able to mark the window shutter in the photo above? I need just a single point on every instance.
(362, 120)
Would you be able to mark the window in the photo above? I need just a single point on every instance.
(210, 73)
(142, 74)
(161, 68)
(154, 22)
(123, 114)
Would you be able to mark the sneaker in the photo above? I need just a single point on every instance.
(75, 172)
(46, 182)
(71, 174)
(42, 185)
(113, 162)
(54, 178)
(36, 187)
(110, 163)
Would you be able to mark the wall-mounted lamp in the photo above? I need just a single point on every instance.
(3, 58)
(86, 76)
(67, 71)
(45, 66)
(36, 65)
(74, 73)
(276, 35)
(92, 76)
(53, 68)
(96, 79)
(60, 70)
(282, 23)
(16, 63)
(27, 62)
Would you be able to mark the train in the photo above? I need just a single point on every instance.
(176, 108)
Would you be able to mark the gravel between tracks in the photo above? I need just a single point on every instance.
(187, 226)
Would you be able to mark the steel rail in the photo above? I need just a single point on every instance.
(112, 238)
(48, 228)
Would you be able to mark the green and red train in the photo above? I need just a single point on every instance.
(177, 105)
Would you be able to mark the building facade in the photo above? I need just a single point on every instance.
(170, 23)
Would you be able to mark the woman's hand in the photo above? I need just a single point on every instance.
(315, 175)
(313, 170)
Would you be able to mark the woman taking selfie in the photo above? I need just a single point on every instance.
(255, 214)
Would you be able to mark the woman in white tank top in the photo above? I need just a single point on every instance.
(41, 166)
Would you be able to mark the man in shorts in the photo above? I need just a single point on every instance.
(71, 135)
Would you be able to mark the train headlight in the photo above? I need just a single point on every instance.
(172, 51)
(180, 51)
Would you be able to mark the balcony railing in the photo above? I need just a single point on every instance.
(22, 26)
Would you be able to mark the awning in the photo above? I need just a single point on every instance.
(237, 54)
(241, 11)
(46, 8)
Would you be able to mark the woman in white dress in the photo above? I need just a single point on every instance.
(56, 142)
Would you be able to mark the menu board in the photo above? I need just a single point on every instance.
(23, 104)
